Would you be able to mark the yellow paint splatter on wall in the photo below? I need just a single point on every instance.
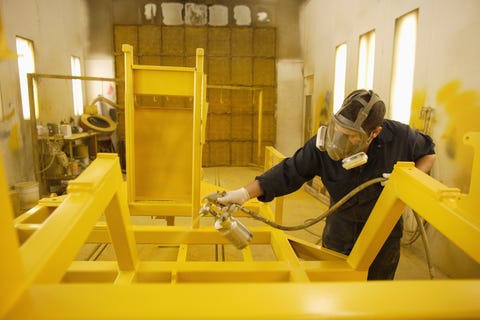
(418, 102)
(322, 109)
(14, 138)
(462, 108)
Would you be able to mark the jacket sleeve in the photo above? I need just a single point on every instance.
(290, 174)
(423, 145)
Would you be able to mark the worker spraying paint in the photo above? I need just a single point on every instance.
(356, 146)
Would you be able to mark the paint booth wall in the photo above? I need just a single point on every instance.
(58, 31)
(283, 15)
(446, 78)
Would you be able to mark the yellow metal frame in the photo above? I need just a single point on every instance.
(40, 279)
(163, 144)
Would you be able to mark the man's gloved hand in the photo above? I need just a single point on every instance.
(386, 176)
(238, 196)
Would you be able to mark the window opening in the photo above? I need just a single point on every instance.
(172, 13)
(403, 66)
(26, 64)
(242, 15)
(150, 11)
(218, 15)
(77, 86)
(263, 16)
(340, 75)
(366, 60)
(195, 14)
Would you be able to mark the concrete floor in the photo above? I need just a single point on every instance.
(298, 207)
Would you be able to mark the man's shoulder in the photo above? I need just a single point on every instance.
(392, 129)
(394, 125)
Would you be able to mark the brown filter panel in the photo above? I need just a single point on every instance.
(149, 101)
(173, 40)
(241, 153)
(121, 125)
(195, 37)
(119, 66)
(218, 41)
(219, 100)
(241, 71)
(178, 102)
(149, 40)
(264, 72)
(174, 61)
(206, 155)
(161, 101)
(264, 143)
(264, 42)
(125, 35)
(218, 70)
(242, 101)
(268, 127)
(269, 99)
(219, 153)
(190, 62)
(219, 127)
(150, 60)
(120, 94)
(242, 127)
(242, 42)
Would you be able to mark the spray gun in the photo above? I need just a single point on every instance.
(228, 226)
(240, 236)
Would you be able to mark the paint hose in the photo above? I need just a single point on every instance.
(316, 220)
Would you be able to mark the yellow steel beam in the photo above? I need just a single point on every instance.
(178, 81)
(469, 202)
(12, 273)
(173, 283)
(129, 125)
(121, 231)
(48, 252)
(41, 280)
(339, 300)
(441, 206)
(199, 98)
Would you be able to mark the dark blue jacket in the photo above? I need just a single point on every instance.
(396, 142)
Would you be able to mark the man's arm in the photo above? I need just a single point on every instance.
(425, 163)
(254, 189)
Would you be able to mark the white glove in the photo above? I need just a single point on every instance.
(386, 176)
(238, 196)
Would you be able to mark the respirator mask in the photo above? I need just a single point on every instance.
(344, 139)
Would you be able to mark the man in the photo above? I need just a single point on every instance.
(359, 126)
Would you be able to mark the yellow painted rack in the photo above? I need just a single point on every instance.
(41, 278)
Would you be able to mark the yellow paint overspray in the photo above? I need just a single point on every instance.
(418, 102)
(322, 109)
(462, 108)
(14, 138)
